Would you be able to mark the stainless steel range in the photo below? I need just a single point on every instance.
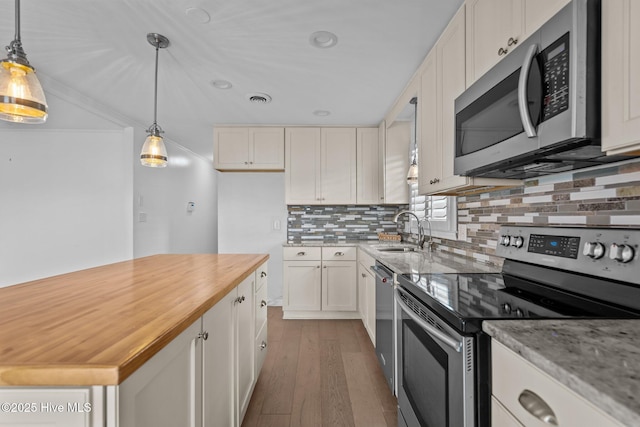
(443, 356)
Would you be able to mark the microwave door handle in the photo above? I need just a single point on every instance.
(454, 344)
(523, 101)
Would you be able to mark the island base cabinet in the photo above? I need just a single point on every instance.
(163, 392)
(51, 407)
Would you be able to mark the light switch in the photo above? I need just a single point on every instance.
(276, 224)
(191, 206)
(142, 217)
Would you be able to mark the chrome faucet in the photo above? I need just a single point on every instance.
(421, 237)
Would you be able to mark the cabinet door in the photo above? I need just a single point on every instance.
(218, 363)
(621, 77)
(430, 146)
(362, 293)
(302, 285)
(339, 286)
(231, 148)
(450, 52)
(490, 24)
(302, 171)
(245, 353)
(396, 162)
(338, 159)
(267, 148)
(370, 285)
(369, 167)
(163, 391)
(537, 12)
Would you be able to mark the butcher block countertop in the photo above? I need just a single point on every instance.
(97, 326)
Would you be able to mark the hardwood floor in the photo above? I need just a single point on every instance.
(320, 373)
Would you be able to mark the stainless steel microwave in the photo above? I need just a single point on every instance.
(538, 110)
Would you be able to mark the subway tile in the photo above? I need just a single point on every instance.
(592, 195)
(625, 219)
(618, 178)
(537, 199)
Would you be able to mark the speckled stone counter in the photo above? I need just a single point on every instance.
(416, 262)
(597, 359)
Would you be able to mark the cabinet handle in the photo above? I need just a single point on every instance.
(537, 407)
(264, 273)
(246, 163)
(301, 253)
(502, 51)
(339, 254)
(364, 275)
(317, 266)
(324, 266)
(204, 335)
(263, 345)
(250, 163)
(239, 300)
(512, 41)
(263, 303)
(434, 181)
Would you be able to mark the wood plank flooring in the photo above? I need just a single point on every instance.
(320, 373)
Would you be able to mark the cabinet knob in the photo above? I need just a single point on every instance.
(512, 41)
(364, 275)
(263, 274)
(502, 51)
(263, 345)
(246, 163)
(204, 335)
(250, 163)
(324, 266)
(317, 266)
(263, 303)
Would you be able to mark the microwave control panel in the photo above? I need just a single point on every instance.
(555, 69)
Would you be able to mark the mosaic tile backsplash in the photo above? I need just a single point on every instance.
(330, 224)
(599, 197)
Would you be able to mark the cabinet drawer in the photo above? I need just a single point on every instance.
(261, 349)
(261, 277)
(512, 375)
(261, 308)
(500, 417)
(301, 253)
(339, 253)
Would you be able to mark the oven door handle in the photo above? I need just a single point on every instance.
(451, 342)
(523, 99)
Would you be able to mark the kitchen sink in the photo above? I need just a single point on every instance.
(397, 249)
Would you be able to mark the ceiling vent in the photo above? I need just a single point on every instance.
(259, 98)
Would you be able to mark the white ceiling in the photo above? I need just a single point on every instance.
(98, 48)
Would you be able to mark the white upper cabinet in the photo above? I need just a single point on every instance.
(621, 77)
(496, 27)
(320, 166)
(369, 167)
(249, 148)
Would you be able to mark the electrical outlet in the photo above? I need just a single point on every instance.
(142, 217)
(462, 232)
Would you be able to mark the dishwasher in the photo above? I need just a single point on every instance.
(385, 327)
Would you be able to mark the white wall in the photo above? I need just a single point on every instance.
(65, 201)
(69, 193)
(248, 206)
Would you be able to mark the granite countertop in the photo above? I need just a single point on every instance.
(597, 359)
(415, 262)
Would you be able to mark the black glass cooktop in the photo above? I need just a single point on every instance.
(465, 300)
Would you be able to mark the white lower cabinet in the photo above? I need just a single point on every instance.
(320, 282)
(367, 294)
(244, 352)
(525, 396)
(51, 407)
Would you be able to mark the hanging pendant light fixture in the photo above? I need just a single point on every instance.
(412, 175)
(154, 153)
(21, 97)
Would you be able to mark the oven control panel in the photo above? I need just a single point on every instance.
(612, 253)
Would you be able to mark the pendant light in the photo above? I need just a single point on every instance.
(412, 175)
(154, 153)
(21, 97)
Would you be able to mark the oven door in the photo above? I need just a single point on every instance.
(435, 369)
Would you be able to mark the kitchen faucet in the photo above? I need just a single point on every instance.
(421, 237)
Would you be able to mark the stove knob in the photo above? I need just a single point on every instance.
(621, 253)
(506, 307)
(517, 241)
(519, 312)
(594, 250)
(505, 240)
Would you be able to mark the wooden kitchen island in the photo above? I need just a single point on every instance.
(151, 341)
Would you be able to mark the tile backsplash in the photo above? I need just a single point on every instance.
(331, 224)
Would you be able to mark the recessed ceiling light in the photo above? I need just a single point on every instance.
(322, 113)
(323, 39)
(198, 15)
(258, 98)
(221, 84)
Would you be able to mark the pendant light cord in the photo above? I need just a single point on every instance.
(155, 95)
(17, 37)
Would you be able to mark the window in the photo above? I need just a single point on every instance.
(441, 211)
